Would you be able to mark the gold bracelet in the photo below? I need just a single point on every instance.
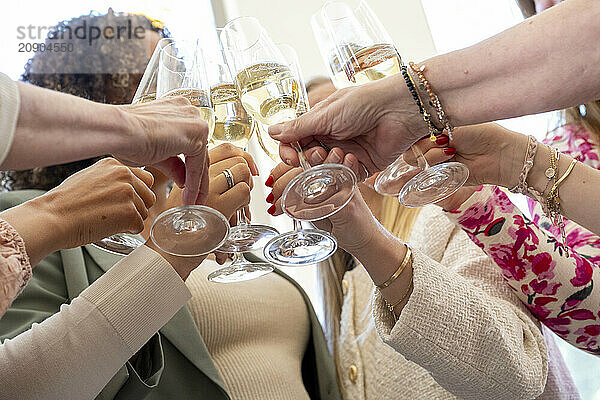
(434, 100)
(553, 205)
(392, 306)
(396, 274)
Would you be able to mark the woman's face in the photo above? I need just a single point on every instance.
(541, 5)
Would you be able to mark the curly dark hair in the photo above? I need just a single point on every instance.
(105, 71)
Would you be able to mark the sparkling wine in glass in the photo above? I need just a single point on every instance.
(190, 230)
(271, 91)
(367, 54)
(235, 125)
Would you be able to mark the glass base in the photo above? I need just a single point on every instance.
(244, 238)
(301, 247)
(189, 231)
(434, 184)
(391, 180)
(239, 272)
(319, 192)
(120, 243)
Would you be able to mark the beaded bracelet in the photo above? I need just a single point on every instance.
(434, 100)
(433, 130)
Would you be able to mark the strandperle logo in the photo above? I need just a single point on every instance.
(85, 31)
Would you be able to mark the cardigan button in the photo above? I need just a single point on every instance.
(353, 373)
(345, 285)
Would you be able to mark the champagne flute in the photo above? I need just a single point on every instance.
(329, 52)
(270, 91)
(300, 246)
(192, 230)
(234, 125)
(368, 53)
(125, 243)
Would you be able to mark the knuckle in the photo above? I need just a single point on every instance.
(228, 148)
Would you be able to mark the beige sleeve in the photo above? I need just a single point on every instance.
(9, 113)
(74, 353)
(471, 341)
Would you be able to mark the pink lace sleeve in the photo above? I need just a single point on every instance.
(15, 269)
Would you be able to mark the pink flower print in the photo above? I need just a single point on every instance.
(558, 325)
(542, 265)
(579, 238)
(543, 287)
(589, 337)
(477, 216)
(513, 267)
(523, 234)
(500, 200)
(583, 272)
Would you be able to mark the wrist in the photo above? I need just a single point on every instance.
(125, 132)
(399, 100)
(511, 148)
(27, 219)
(382, 256)
(182, 265)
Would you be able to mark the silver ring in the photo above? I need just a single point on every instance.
(229, 178)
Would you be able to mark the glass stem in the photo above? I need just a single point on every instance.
(421, 161)
(237, 259)
(297, 225)
(303, 163)
(241, 217)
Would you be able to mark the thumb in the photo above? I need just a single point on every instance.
(174, 168)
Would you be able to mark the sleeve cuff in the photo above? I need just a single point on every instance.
(138, 295)
(9, 113)
(432, 296)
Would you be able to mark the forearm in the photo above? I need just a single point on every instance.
(541, 64)
(54, 128)
(381, 258)
(577, 192)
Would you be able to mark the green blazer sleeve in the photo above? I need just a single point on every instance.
(56, 280)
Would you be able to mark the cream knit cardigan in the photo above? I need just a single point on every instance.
(463, 333)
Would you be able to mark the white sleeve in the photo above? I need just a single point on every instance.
(76, 352)
(9, 113)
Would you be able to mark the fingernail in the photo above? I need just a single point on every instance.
(335, 157)
(442, 140)
(316, 158)
(449, 151)
(270, 198)
(275, 130)
(271, 210)
(269, 182)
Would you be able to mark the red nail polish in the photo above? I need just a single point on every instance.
(442, 140)
(269, 182)
(270, 198)
(449, 151)
(271, 210)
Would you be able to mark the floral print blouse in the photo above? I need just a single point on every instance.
(562, 290)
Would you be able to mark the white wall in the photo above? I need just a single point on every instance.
(288, 21)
